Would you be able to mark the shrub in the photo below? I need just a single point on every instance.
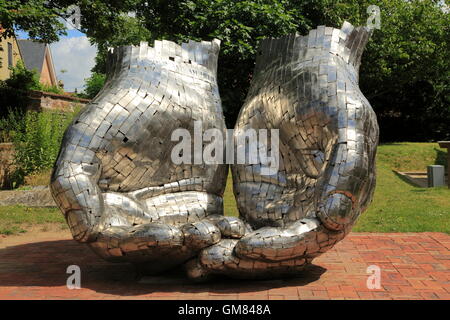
(36, 137)
(49, 88)
(22, 78)
(14, 91)
(93, 85)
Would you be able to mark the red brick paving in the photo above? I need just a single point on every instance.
(413, 266)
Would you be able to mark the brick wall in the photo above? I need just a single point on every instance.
(51, 101)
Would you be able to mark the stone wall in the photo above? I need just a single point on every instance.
(6, 163)
(52, 101)
(36, 197)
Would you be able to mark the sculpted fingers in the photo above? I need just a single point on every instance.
(220, 256)
(232, 258)
(220, 259)
(81, 227)
(75, 192)
(151, 239)
(348, 182)
(230, 227)
(337, 211)
(278, 244)
(201, 234)
(215, 259)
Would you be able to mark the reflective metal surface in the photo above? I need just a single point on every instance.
(122, 194)
(307, 87)
(114, 179)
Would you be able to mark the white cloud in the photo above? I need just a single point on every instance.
(75, 55)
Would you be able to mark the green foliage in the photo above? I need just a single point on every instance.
(22, 78)
(93, 85)
(36, 137)
(34, 16)
(14, 91)
(100, 19)
(50, 88)
(238, 24)
(405, 70)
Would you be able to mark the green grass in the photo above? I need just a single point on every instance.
(397, 206)
(411, 156)
(229, 202)
(19, 219)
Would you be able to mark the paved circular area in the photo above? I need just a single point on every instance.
(412, 265)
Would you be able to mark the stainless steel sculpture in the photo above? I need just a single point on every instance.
(122, 195)
(307, 87)
(114, 179)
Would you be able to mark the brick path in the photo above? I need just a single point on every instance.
(413, 266)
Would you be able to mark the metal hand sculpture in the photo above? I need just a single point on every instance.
(307, 87)
(114, 179)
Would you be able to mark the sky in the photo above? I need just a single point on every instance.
(74, 54)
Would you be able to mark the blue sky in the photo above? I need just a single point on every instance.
(74, 54)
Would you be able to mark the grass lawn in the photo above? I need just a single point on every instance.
(19, 219)
(397, 206)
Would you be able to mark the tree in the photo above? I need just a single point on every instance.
(34, 16)
(44, 19)
(238, 24)
(22, 78)
(14, 91)
(405, 71)
(93, 85)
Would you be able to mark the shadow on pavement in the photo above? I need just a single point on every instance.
(44, 264)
